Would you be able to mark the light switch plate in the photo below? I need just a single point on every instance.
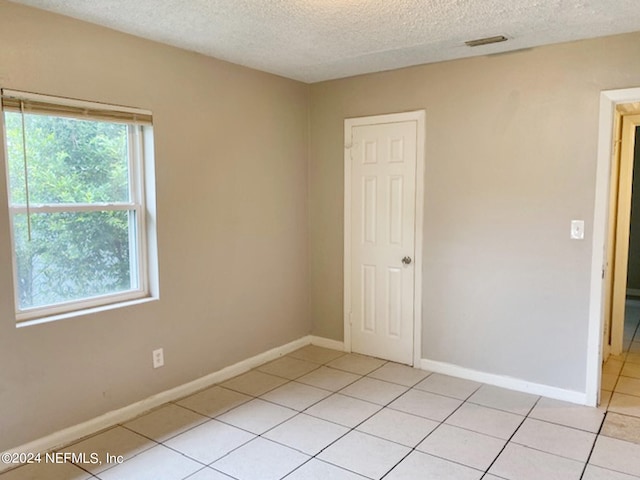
(577, 229)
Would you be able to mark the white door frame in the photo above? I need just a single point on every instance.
(417, 116)
(608, 101)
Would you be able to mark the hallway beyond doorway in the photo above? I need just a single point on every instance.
(620, 393)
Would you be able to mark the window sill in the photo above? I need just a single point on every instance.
(85, 311)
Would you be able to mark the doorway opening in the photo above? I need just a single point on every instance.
(619, 119)
(622, 271)
(622, 268)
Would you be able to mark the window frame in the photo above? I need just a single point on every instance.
(139, 137)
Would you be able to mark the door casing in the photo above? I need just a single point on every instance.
(417, 116)
(609, 99)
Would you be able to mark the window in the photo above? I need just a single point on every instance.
(76, 188)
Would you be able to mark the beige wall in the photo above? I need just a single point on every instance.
(510, 161)
(231, 167)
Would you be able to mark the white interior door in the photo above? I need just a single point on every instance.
(381, 241)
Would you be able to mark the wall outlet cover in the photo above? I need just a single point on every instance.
(158, 358)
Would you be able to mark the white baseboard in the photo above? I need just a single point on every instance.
(505, 382)
(72, 434)
(327, 343)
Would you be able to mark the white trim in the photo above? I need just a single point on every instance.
(503, 381)
(608, 101)
(148, 176)
(327, 343)
(68, 435)
(419, 228)
(417, 116)
(347, 237)
(87, 311)
(59, 310)
(14, 258)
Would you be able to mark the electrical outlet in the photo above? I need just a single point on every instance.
(158, 358)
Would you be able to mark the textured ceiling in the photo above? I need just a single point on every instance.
(314, 40)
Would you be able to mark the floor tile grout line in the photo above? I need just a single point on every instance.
(382, 405)
(428, 374)
(582, 430)
(350, 429)
(529, 447)
(506, 411)
(206, 419)
(442, 422)
(191, 475)
(595, 440)
(398, 462)
(466, 399)
(560, 425)
(141, 434)
(295, 409)
(467, 429)
(497, 476)
(354, 429)
(606, 412)
(297, 413)
(463, 401)
(340, 352)
(333, 465)
(213, 461)
(161, 443)
(105, 430)
(209, 417)
(100, 433)
(380, 410)
(355, 373)
(624, 362)
(317, 367)
(210, 465)
(599, 433)
(168, 447)
(511, 437)
(297, 468)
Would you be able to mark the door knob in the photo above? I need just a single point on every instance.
(406, 260)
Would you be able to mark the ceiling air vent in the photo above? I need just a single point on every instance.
(486, 41)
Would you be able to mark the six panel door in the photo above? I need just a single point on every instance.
(383, 171)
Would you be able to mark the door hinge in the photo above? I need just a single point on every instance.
(348, 143)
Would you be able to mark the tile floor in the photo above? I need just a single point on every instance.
(320, 414)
